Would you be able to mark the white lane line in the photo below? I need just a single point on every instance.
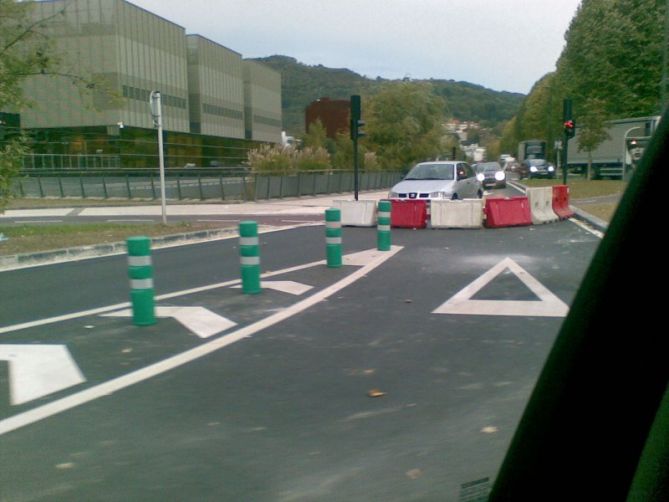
(38, 221)
(166, 296)
(587, 228)
(135, 220)
(122, 382)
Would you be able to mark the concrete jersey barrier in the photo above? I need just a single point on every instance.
(467, 213)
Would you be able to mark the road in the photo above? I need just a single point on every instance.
(281, 405)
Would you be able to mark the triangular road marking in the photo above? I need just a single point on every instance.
(548, 304)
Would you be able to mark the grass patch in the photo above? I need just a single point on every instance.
(584, 189)
(45, 237)
(598, 197)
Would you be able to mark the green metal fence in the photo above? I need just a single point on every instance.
(196, 184)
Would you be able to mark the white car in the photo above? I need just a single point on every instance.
(437, 181)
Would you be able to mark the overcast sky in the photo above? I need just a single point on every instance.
(506, 45)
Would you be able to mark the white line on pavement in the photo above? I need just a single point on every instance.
(122, 382)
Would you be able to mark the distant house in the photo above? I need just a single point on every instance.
(334, 114)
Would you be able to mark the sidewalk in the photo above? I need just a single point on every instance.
(302, 205)
(293, 206)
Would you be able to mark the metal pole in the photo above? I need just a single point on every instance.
(156, 112)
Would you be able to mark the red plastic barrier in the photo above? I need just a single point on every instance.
(507, 212)
(408, 213)
(561, 201)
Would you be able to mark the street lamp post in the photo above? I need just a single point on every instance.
(156, 113)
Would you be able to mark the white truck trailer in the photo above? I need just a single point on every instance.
(613, 154)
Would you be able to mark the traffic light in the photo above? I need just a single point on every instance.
(356, 122)
(569, 128)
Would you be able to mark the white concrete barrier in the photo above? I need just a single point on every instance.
(541, 205)
(357, 213)
(467, 213)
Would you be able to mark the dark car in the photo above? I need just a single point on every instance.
(536, 168)
(491, 174)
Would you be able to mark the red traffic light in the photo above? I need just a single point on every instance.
(569, 124)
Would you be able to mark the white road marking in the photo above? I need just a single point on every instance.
(290, 287)
(124, 381)
(39, 370)
(199, 320)
(588, 228)
(548, 305)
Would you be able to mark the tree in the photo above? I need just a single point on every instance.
(24, 51)
(593, 129)
(27, 50)
(404, 124)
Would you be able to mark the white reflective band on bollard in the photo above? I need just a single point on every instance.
(141, 283)
(139, 261)
(249, 241)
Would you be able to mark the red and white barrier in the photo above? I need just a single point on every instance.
(507, 212)
(561, 202)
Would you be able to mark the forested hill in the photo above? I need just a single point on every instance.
(302, 84)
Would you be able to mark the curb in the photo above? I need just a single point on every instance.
(22, 260)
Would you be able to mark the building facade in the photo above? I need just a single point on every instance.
(127, 52)
(334, 115)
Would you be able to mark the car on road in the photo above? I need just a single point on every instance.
(491, 174)
(438, 180)
(536, 168)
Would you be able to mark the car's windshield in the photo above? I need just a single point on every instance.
(431, 172)
(537, 162)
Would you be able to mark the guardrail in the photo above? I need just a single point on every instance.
(234, 184)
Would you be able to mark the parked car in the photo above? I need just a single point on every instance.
(491, 174)
(536, 168)
(438, 180)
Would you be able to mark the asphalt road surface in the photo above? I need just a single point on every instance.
(364, 382)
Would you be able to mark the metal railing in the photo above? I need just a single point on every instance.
(228, 184)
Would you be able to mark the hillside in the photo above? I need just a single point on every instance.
(302, 84)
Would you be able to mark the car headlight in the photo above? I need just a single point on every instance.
(533, 169)
(480, 177)
(393, 195)
(499, 175)
(551, 168)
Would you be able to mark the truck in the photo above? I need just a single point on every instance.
(531, 149)
(618, 153)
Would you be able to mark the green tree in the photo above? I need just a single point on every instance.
(404, 124)
(24, 51)
(593, 129)
(316, 136)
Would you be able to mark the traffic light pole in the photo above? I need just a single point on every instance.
(356, 132)
(569, 131)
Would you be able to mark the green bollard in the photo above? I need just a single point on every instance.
(140, 271)
(383, 237)
(333, 237)
(249, 252)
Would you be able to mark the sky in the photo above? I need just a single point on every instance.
(505, 45)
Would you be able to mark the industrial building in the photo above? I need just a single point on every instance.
(334, 115)
(214, 103)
